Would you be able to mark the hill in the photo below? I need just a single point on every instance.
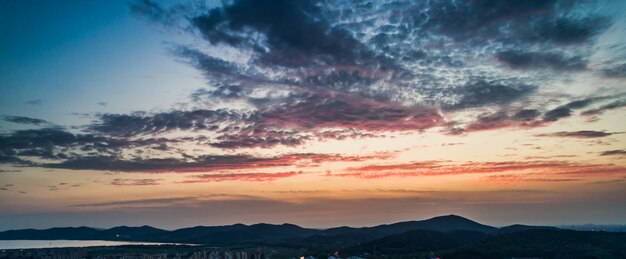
(247, 234)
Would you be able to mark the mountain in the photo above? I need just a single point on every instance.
(74, 233)
(286, 234)
(448, 236)
(130, 233)
(441, 224)
(519, 227)
(239, 233)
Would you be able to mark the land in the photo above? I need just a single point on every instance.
(444, 237)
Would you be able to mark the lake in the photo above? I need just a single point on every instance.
(21, 244)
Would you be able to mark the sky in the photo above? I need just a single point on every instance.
(317, 113)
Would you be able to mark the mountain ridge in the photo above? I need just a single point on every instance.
(242, 233)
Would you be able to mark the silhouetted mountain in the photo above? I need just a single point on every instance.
(441, 224)
(519, 227)
(258, 233)
(239, 233)
(75, 233)
(130, 233)
(448, 236)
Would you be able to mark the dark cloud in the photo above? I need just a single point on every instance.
(213, 68)
(557, 113)
(262, 138)
(35, 102)
(204, 163)
(334, 110)
(578, 134)
(37, 142)
(142, 202)
(125, 125)
(59, 144)
(567, 30)
(222, 92)
(618, 71)
(135, 182)
(567, 109)
(617, 152)
(611, 106)
(147, 8)
(24, 120)
(294, 33)
(541, 61)
(462, 20)
(526, 114)
(524, 118)
(482, 93)
(545, 22)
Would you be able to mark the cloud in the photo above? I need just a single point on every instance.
(205, 163)
(35, 102)
(125, 125)
(350, 111)
(515, 178)
(484, 93)
(532, 22)
(59, 144)
(611, 106)
(567, 109)
(135, 182)
(273, 31)
(24, 120)
(142, 202)
(278, 122)
(405, 61)
(617, 152)
(249, 177)
(568, 30)
(548, 168)
(541, 61)
(577, 134)
(293, 72)
(618, 71)
(525, 118)
(526, 114)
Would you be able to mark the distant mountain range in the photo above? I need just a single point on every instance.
(240, 233)
(451, 235)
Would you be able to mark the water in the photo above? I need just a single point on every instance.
(22, 244)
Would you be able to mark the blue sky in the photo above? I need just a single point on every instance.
(86, 57)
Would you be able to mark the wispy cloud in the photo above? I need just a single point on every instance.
(549, 168)
(578, 134)
(250, 177)
(24, 120)
(135, 182)
(617, 152)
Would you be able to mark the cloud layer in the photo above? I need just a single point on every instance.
(283, 74)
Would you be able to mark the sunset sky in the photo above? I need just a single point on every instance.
(317, 113)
